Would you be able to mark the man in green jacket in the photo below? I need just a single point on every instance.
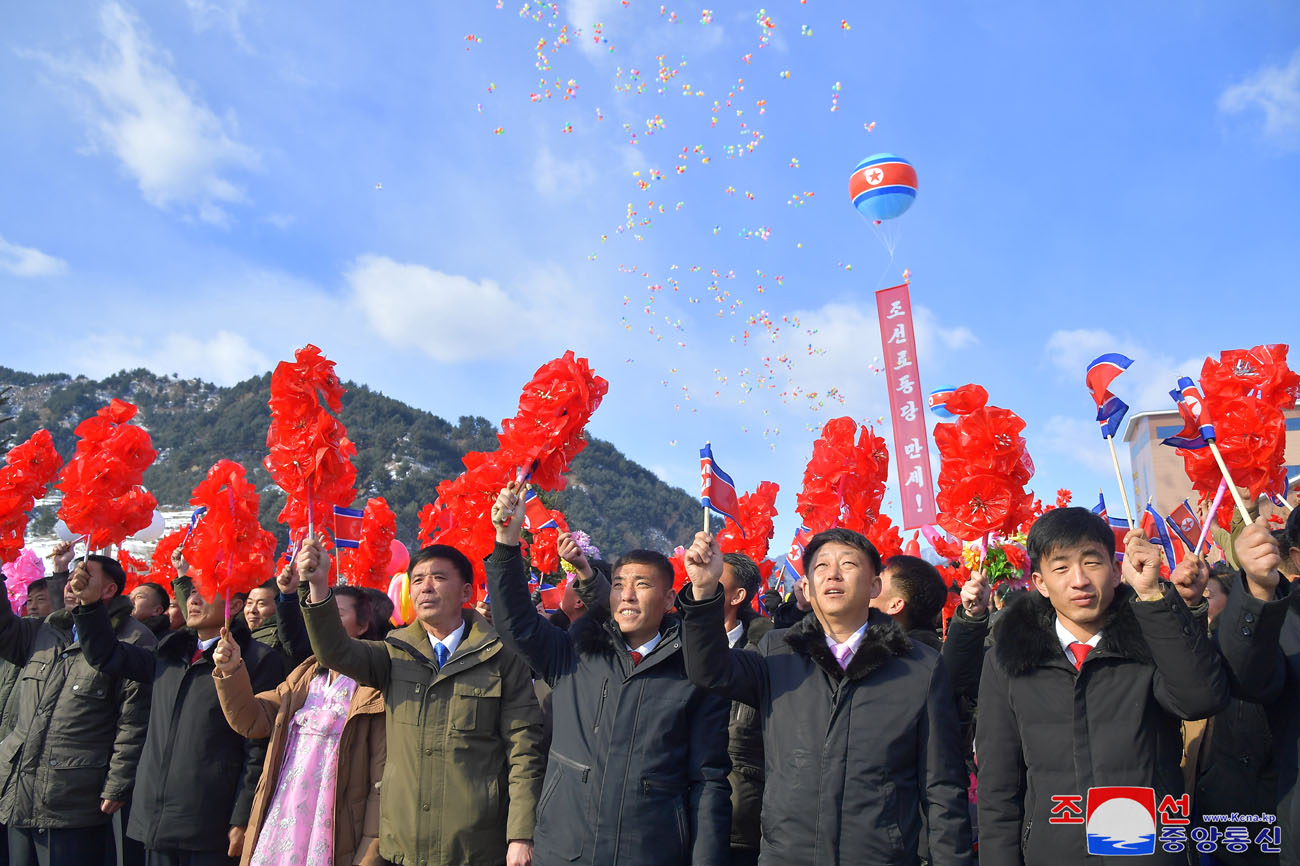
(465, 763)
(70, 761)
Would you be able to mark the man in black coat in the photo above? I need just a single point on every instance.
(1259, 632)
(740, 581)
(1085, 687)
(859, 725)
(638, 764)
(196, 779)
(70, 762)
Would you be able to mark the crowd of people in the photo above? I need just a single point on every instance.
(639, 725)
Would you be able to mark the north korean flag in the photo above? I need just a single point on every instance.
(1102, 371)
(347, 526)
(717, 490)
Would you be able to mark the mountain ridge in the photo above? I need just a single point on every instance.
(403, 452)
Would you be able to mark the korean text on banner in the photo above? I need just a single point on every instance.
(906, 406)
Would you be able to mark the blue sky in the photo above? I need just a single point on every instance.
(200, 187)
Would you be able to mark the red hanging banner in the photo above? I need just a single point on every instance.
(906, 407)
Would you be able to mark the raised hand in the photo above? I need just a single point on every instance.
(313, 565)
(81, 586)
(508, 512)
(62, 555)
(178, 561)
(571, 553)
(287, 580)
(704, 565)
(1259, 556)
(1141, 567)
(1189, 578)
(975, 594)
(226, 655)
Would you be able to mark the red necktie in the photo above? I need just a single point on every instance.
(198, 654)
(636, 658)
(1080, 652)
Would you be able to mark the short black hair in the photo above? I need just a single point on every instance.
(365, 610)
(652, 558)
(381, 606)
(163, 598)
(38, 585)
(1004, 590)
(840, 535)
(1067, 527)
(112, 570)
(458, 560)
(747, 574)
(920, 585)
(1292, 531)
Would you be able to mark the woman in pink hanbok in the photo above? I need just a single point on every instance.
(317, 803)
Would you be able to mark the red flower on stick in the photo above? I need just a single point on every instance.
(102, 493)
(757, 510)
(310, 455)
(367, 564)
(1246, 392)
(161, 570)
(228, 550)
(984, 468)
(844, 482)
(28, 470)
(543, 438)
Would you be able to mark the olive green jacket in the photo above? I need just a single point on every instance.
(465, 763)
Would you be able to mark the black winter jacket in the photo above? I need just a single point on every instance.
(1046, 729)
(852, 757)
(197, 777)
(1261, 642)
(788, 614)
(78, 733)
(638, 764)
(745, 747)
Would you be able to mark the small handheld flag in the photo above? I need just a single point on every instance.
(347, 526)
(717, 490)
(1184, 523)
(1110, 409)
(536, 515)
(1102, 371)
(1154, 527)
(1198, 428)
(1110, 414)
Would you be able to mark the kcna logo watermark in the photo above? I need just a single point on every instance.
(1121, 821)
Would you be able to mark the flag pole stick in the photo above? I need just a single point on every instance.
(1210, 518)
(1119, 476)
(1227, 476)
(706, 508)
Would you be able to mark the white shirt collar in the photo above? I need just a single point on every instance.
(1064, 636)
(451, 641)
(205, 645)
(853, 642)
(646, 648)
(734, 636)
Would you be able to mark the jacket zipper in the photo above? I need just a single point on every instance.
(600, 707)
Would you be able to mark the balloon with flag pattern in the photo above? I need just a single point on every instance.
(883, 186)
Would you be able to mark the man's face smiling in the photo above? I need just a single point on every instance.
(1080, 581)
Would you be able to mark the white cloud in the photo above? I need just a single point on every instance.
(1275, 90)
(179, 152)
(1074, 438)
(28, 261)
(224, 358)
(848, 344)
(453, 318)
(1144, 386)
(585, 15)
(281, 220)
(559, 178)
(215, 14)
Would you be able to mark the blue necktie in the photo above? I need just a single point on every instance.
(440, 651)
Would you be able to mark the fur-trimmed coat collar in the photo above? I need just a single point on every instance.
(883, 638)
(1026, 634)
(180, 644)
